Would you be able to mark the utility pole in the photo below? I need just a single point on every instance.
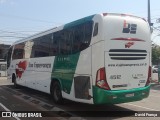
(149, 17)
(149, 14)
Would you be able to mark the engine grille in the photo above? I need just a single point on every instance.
(124, 54)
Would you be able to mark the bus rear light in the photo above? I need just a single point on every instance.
(101, 79)
(149, 76)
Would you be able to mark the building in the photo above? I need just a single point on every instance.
(3, 63)
(3, 51)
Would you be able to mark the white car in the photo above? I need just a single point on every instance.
(155, 68)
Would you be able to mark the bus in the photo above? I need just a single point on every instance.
(3, 68)
(100, 59)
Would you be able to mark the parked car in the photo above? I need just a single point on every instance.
(155, 68)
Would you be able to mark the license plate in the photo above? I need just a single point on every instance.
(129, 95)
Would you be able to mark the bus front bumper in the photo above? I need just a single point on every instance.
(101, 96)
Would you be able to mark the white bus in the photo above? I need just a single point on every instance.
(99, 59)
(3, 68)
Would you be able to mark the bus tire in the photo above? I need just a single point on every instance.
(56, 92)
(14, 81)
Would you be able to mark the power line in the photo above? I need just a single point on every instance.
(12, 37)
(9, 41)
(27, 18)
(4, 32)
(156, 28)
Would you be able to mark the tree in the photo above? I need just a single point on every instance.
(155, 55)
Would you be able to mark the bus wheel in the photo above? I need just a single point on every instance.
(56, 93)
(14, 81)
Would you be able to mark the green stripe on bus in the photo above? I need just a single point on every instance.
(64, 66)
(101, 96)
(64, 69)
(77, 22)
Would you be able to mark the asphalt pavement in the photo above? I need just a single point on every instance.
(4, 81)
(146, 104)
(9, 102)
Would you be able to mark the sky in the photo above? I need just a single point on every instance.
(22, 18)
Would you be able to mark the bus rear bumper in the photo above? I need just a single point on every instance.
(101, 96)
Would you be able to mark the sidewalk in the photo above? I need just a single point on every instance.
(155, 86)
(4, 81)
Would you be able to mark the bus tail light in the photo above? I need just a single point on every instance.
(101, 79)
(149, 76)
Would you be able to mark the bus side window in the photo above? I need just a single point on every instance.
(46, 42)
(95, 29)
(41, 46)
(78, 38)
(55, 44)
(18, 52)
(82, 36)
(62, 41)
(9, 56)
(68, 41)
(87, 31)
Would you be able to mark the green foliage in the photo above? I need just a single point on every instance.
(155, 55)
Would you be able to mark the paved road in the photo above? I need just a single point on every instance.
(10, 101)
(25, 99)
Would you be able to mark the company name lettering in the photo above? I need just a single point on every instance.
(125, 65)
(39, 65)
